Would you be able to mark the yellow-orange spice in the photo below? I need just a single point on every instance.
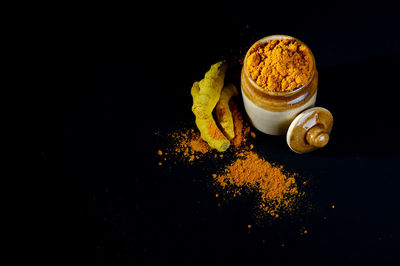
(277, 190)
(280, 65)
(198, 144)
(187, 142)
(214, 131)
(241, 129)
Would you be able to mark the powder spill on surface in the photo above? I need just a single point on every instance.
(277, 191)
(244, 171)
(199, 145)
(241, 129)
(187, 145)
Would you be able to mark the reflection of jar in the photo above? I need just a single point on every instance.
(271, 112)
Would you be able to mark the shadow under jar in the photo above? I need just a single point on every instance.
(271, 112)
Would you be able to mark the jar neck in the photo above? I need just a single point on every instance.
(278, 101)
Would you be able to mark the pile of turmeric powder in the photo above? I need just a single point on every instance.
(280, 65)
(277, 191)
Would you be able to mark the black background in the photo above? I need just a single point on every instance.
(116, 74)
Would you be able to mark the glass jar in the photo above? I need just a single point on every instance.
(271, 112)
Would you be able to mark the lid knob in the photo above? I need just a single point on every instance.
(310, 130)
(317, 137)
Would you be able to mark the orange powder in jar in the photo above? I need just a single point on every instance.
(280, 65)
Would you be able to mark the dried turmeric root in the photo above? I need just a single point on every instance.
(206, 94)
(224, 115)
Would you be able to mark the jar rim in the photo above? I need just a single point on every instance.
(278, 93)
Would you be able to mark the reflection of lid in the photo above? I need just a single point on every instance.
(310, 130)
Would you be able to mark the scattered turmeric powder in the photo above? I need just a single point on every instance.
(214, 133)
(280, 65)
(187, 142)
(277, 190)
(241, 129)
(198, 144)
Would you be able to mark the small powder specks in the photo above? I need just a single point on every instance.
(186, 145)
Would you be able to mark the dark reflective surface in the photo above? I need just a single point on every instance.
(124, 77)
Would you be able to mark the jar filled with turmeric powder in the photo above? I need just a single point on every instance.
(279, 80)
